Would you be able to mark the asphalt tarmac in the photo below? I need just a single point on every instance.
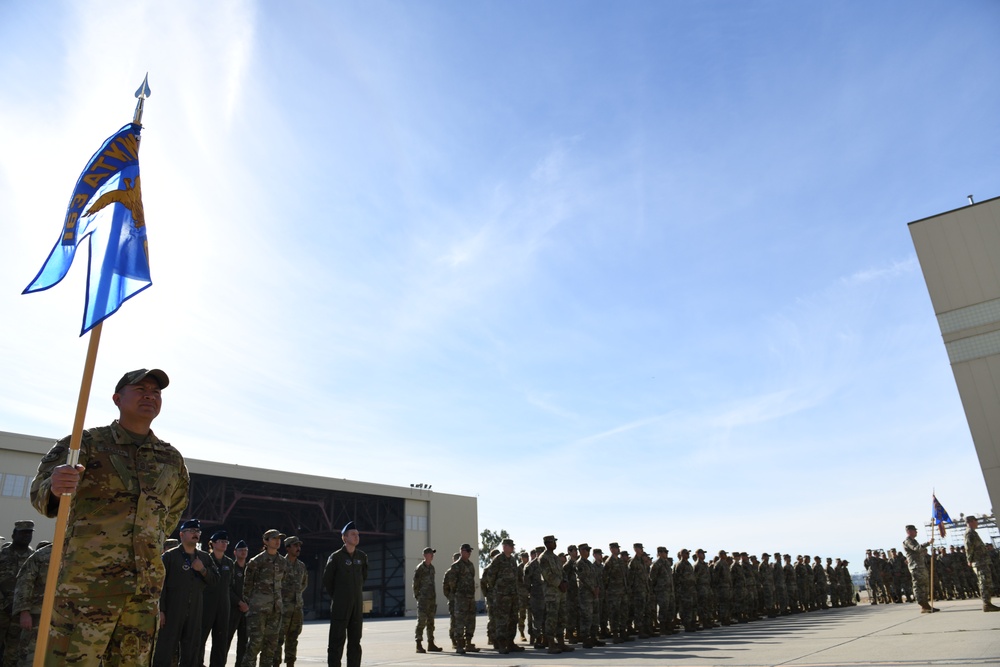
(883, 635)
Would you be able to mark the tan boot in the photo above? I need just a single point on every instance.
(432, 647)
(420, 647)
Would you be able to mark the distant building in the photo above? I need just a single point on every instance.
(959, 253)
(396, 523)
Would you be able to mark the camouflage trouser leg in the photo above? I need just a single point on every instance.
(921, 584)
(26, 653)
(588, 623)
(490, 620)
(572, 606)
(552, 627)
(723, 597)
(465, 619)
(425, 619)
(638, 610)
(85, 630)
(737, 604)
(262, 630)
(616, 615)
(522, 613)
(505, 615)
(985, 580)
(602, 602)
(767, 601)
(537, 605)
(686, 605)
(10, 637)
(704, 608)
(288, 636)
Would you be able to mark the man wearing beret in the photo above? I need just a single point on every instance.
(344, 579)
(262, 591)
(12, 557)
(425, 592)
(129, 489)
(216, 604)
(292, 588)
(189, 571)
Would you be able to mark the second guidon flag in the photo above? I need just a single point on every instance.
(106, 209)
(940, 514)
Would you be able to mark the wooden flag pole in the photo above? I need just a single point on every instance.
(52, 579)
(73, 456)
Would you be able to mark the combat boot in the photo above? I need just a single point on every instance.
(460, 646)
(597, 640)
(420, 647)
(989, 606)
(471, 648)
(619, 638)
(552, 648)
(563, 647)
(501, 647)
(432, 647)
(926, 608)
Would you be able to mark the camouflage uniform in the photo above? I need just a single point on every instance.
(791, 587)
(979, 558)
(739, 589)
(11, 560)
(586, 585)
(780, 592)
(916, 560)
(523, 608)
(426, 596)
(262, 591)
(501, 578)
(552, 575)
(29, 593)
(129, 498)
(766, 576)
(572, 605)
(638, 581)
(661, 582)
(464, 600)
(703, 592)
(684, 590)
(614, 589)
(722, 583)
(536, 598)
(293, 586)
(819, 584)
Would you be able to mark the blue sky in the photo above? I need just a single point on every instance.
(624, 271)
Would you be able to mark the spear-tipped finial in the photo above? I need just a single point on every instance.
(141, 95)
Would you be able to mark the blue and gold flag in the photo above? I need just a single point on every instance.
(106, 208)
(940, 515)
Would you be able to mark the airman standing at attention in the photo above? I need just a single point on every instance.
(464, 601)
(555, 585)
(262, 592)
(572, 606)
(638, 581)
(684, 590)
(589, 596)
(217, 599)
(293, 587)
(523, 608)
(615, 581)
(425, 592)
(501, 575)
(979, 559)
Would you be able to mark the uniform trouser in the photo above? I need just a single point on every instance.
(588, 619)
(10, 636)
(215, 622)
(262, 637)
(288, 634)
(425, 619)
(463, 620)
(686, 605)
(505, 617)
(345, 629)
(703, 594)
(238, 629)
(639, 620)
(523, 612)
(921, 585)
(537, 604)
(767, 600)
(723, 597)
(553, 604)
(26, 652)
(86, 628)
(616, 612)
(181, 634)
(572, 610)
(985, 580)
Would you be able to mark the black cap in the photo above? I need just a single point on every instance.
(348, 526)
(137, 376)
(466, 547)
(428, 550)
(240, 545)
(191, 524)
(219, 535)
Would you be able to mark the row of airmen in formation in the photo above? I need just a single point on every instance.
(888, 579)
(584, 596)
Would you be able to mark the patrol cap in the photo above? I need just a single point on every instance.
(467, 547)
(137, 376)
(614, 545)
(508, 542)
(539, 549)
(273, 533)
(661, 550)
(428, 550)
(699, 551)
(289, 541)
(637, 546)
(571, 548)
(240, 545)
(908, 527)
(583, 546)
(24, 524)
(494, 552)
(219, 535)
(348, 526)
(191, 524)
(549, 538)
(598, 551)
